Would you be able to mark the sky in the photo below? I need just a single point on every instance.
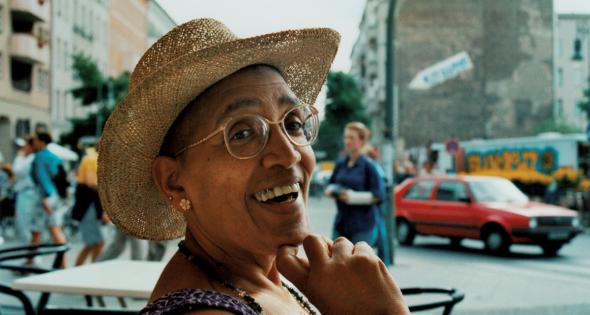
(253, 17)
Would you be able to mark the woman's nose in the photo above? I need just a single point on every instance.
(280, 150)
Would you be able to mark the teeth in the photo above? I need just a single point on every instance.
(276, 192)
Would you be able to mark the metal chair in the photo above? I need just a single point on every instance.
(447, 304)
(23, 252)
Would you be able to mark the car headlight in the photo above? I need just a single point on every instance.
(533, 223)
(576, 222)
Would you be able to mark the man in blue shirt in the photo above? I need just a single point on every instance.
(45, 167)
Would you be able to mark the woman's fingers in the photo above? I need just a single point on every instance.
(342, 248)
(296, 269)
(316, 249)
(362, 248)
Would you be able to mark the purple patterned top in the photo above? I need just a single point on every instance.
(186, 300)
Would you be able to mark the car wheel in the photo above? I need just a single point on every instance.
(456, 241)
(496, 241)
(405, 232)
(551, 249)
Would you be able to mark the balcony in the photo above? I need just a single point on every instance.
(27, 48)
(31, 10)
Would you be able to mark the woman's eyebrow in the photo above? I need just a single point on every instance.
(236, 105)
(287, 99)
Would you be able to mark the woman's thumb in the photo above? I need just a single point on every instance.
(296, 269)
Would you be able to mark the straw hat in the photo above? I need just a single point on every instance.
(173, 72)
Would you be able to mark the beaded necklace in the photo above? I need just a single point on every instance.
(186, 253)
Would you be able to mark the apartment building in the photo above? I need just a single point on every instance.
(572, 67)
(25, 28)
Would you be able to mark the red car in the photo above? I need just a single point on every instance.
(491, 209)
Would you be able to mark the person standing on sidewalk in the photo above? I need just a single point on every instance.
(358, 189)
(25, 190)
(87, 209)
(382, 243)
(46, 168)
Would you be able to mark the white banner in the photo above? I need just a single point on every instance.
(441, 71)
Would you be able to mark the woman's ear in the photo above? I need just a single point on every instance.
(165, 175)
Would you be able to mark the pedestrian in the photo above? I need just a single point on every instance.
(383, 242)
(156, 250)
(48, 175)
(357, 188)
(6, 196)
(216, 137)
(118, 245)
(25, 190)
(87, 208)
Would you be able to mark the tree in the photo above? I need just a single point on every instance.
(343, 105)
(94, 88)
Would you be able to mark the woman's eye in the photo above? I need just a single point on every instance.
(241, 135)
(293, 125)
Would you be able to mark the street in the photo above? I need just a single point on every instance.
(524, 282)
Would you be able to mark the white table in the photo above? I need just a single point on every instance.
(119, 278)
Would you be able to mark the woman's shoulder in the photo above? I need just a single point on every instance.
(197, 301)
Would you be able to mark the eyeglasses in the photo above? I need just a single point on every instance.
(246, 136)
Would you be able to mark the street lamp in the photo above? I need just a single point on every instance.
(389, 134)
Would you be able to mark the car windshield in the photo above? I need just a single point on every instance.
(498, 190)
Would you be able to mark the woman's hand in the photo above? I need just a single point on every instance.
(342, 278)
(343, 196)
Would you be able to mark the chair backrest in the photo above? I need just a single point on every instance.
(10, 254)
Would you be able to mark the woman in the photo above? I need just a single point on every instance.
(87, 209)
(213, 143)
(359, 189)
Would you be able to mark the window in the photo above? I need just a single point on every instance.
(451, 190)
(1, 67)
(559, 109)
(577, 50)
(579, 77)
(422, 190)
(1, 19)
(23, 128)
(59, 53)
(43, 80)
(21, 75)
(560, 77)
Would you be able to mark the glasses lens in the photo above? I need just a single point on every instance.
(301, 125)
(246, 136)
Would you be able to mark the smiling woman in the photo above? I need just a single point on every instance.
(213, 144)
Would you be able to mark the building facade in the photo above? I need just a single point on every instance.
(508, 92)
(158, 22)
(25, 27)
(79, 27)
(572, 67)
(128, 35)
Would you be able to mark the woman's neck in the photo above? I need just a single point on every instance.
(239, 268)
(352, 157)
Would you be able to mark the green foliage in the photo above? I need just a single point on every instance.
(551, 125)
(343, 105)
(94, 88)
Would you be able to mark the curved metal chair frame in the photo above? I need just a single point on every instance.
(23, 252)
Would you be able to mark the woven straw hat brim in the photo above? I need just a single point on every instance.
(135, 130)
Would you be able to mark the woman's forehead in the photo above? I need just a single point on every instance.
(247, 89)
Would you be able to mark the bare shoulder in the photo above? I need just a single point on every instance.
(169, 280)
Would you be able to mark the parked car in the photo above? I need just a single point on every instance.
(488, 208)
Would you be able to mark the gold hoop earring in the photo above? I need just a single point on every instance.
(185, 204)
